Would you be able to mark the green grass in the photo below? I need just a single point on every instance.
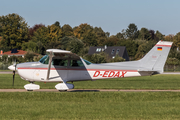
(147, 82)
(90, 105)
(5, 70)
(93, 105)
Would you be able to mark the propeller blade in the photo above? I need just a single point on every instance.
(13, 77)
(14, 71)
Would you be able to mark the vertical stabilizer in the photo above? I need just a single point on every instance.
(155, 59)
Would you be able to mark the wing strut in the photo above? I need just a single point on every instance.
(49, 66)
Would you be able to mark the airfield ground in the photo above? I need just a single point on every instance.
(86, 102)
(156, 82)
(89, 105)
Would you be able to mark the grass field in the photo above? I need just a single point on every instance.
(93, 105)
(90, 105)
(147, 82)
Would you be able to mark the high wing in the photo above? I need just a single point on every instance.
(62, 53)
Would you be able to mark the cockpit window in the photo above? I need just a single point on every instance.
(44, 60)
(76, 63)
(87, 62)
(60, 62)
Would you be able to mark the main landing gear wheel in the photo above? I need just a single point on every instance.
(64, 86)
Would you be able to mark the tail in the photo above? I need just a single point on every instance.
(155, 59)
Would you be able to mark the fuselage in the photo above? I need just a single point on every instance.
(37, 71)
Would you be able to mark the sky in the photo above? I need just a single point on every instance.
(111, 15)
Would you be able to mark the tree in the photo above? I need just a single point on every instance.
(159, 35)
(176, 40)
(32, 46)
(36, 47)
(90, 38)
(97, 58)
(29, 56)
(152, 35)
(42, 35)
(48, 36)
(57, 23)
(119, 36)
(4, 59)
(144, 34)
(143, 49)
(132, 31)
(111, 41)
(131, 47)
(81, 30)
(107, 34)
(33, 29)
(169, 37)
(67, 30)
(173, 61)
(14, 31)
(117, 59)
(72, 44)
(100, 36)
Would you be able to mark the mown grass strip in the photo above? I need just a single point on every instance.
(90, 105)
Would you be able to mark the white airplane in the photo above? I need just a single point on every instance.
(64, 66)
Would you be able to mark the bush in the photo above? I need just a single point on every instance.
(5, 58)
(37, 58)
(117, 59)
(29, 56)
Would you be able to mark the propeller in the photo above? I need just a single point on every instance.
(14, 72)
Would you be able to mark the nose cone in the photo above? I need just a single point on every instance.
(12, 67)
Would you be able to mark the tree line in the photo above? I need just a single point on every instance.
(15, 33)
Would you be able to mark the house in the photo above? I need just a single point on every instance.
(112, 51)
(14, 52)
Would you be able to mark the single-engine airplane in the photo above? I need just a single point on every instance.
(64, 66)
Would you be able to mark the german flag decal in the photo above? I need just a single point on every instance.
(159, 48)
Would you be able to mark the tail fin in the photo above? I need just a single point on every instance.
(155, 59)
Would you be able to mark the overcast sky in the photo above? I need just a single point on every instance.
(111, 15)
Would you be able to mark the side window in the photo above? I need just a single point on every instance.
(60, 62)
(112, 52)
(76, 63)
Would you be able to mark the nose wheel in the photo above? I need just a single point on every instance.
(31, 86)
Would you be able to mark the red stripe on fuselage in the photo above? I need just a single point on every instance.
(111, 70)
(77, 69)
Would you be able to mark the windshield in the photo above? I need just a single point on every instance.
(87, 62)
(44, 60)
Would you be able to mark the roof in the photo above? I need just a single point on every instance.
(112, 51)
(19, 52)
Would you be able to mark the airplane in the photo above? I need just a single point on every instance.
(64, 66)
